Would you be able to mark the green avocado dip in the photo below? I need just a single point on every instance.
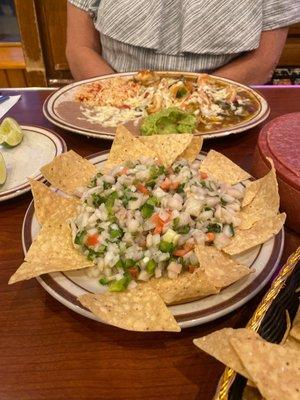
(169, 120)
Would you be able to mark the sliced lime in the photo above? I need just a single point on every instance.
(2, 170)
(11, 133)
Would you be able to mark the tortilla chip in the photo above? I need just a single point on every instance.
(47, 202)
(220, 268)
(51, 251)
(140, 309)
(264, 204)
(292, 343)
(251, 393)
(187, 287)
(222, 169)
(126, 147)
(193, 149)
(295, 331)
(251, 191)
(259, 233)
(217, 344)
(168, 147)
(69, 171)
(274, 369)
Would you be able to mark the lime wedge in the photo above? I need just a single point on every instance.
(10, 132)
(2, 170)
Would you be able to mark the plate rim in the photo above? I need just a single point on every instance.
(48, 107)
(60, 148)
(185, 320)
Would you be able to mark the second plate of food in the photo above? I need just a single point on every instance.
(156, 102)
(22, 162)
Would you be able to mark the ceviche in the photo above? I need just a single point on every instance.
(143, 220)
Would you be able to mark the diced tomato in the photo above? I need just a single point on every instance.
(174, 185)
(92, 240)
(182, 252)
(210, 237)
(142, 188)
(203, 175)
(167, 218)
(134, 272)
(191, 268)
(158, 222)
(123, 171)
(124, 106)
(165, 185)
(158, 230)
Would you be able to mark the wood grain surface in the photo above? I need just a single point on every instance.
(49, 352)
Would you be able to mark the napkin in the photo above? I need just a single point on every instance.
(8, 104)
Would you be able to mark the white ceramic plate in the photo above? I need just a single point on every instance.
(60, 109)
(38, 147)
(67, 286)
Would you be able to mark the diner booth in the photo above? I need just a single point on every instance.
(150, 225)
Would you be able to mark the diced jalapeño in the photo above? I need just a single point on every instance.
(147, 210)
(153, 201)
(119, 264)
(129, 263)
(110, 201)
(120, 285)
(115, 231)
(166, 247)
(150, 267)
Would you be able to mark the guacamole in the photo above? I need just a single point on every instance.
(169, 120)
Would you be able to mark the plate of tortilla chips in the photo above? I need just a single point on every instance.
(263, 359)
(152, 236)
(156, 102)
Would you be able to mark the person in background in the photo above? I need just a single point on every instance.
(240, 40)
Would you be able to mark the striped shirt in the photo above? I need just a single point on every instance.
(186, 35)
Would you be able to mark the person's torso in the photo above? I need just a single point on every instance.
(177, 34)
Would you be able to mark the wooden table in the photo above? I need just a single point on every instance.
(49, 352)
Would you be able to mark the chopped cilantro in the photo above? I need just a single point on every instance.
(180, 188)
(214, 228)
(106, 185)
(175, 223)
(97, 199)
(156, 171)
(183, 229)
(79, 238)
(103, 281)
(223, 202)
